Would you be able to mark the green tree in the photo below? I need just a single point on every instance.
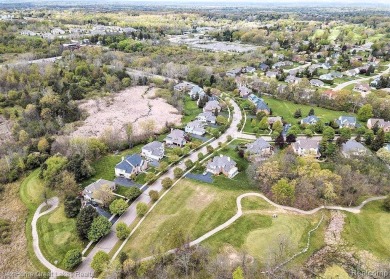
(311, 112)
(298, 113)
(132, 193)
(277, 127)
(142, 208)
(177, 172)
(84, 220)
(386, 203)
(384, 155)
(166, 182)
(189, 164)
(345, 133)
(100, 227)
(122, 231)
(238, 273)
(221, 120)
(72, 206)
(72, 259)
(365, 112)
(51, 169)
(378, 141)
(294, 130)
(118, 206)
(328, 133)
(263, 124)
(80, 167)
(284, 192)
(308, 132)
(153, 194)
(100, 261)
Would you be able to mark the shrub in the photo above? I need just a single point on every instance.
(84, 220)
(188, 163)
(100, 227)
(133, 193)
(153, 194)
(142, 208)
(122, 231)
(99, 261)
(72, 206)
(118, 206)
(177, 172)
(166, 183)
(72, 259)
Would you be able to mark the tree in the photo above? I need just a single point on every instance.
(365, 112)
(177, 172)
(43, 145)
(51, 169)
(189, 164)
(291, 138)
(100, 227)
(308, 132)
(72, 259)
(118, 206)
(142, 208)
(153, 194)
(284, 192)
(221, 120)
(378, 141)
(386, 203)
(162, 166)
(384, 155)
(100, 261)
(166, 183)
(277, 127)
(298, 113)
(238, 273)
(345, 134)
(210, 149)
(122, 231)
(311, 112)
(328, 133)
(150, 177)
(84, 220)
(279, 141)
(72, 206)
(80, 167)
(129, 134)
(263, 124)
(104, 195)
(132, 193)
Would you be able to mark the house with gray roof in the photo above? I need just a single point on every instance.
(328, 77)
(207, 117)
(292, 79)
(307, 148)
(382, 124)
(271, 74)
(183, 86)
(195, 127)
(259, 148)
(212, 106)
(222, 164)
(234, 72)
(317, 82)
(310, 120)
(244, 91)
(89, 192)
(353, 148)
(130, 165)
(196, 92)
(347, 122)
(154, 150)
(176, 137)
(263, 67)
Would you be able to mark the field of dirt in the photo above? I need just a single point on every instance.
(134, 105)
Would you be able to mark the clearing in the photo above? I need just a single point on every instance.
(133, 105)
(5, 130)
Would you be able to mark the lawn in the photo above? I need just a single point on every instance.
(286, 109)
(57, 235)
(191, 110)
(191, 208)
(369, 230)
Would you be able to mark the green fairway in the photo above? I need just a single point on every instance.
(286, 110)
(369, 230)
(57, 235)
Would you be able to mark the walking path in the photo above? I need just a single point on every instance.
(239, 213)
(55, 271)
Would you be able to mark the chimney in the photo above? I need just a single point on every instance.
(228, 159)
(123, 158)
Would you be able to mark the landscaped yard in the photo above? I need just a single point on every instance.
(369, 230)
(57, 235)
(191, 110)
(286, 109)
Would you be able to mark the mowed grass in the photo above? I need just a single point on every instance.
(191, 209)
(57, 235)
(255, 203)
(191, 110)
(335, 271)
(369, 230)
(286, 109)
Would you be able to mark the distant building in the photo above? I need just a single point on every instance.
(222, 164)
(317, 82)
(212, 106)
(382, 124)
(347, 122)
(244, 91)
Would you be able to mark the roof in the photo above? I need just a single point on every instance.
(261, 105)
(346, 120)
(352, 146)
(211, 105)
(316, 81)
(208, 115)
(129, 162)
(310, 119)
(155, 147)
(257, 146)
(176, 134)
(91, 188)
(306, 144)
(221, 162)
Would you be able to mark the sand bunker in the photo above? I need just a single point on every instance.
(133, 105)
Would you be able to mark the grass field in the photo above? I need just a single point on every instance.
(58, 235)
(191, 110)
(369, 230)
(286, 109)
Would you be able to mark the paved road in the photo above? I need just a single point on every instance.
(53, 202)
(107, 243)
(239, 213)
(344, 84)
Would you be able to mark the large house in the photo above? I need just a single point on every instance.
(347, 122)
(244, 91)
(154, 150)
(316, 82)
(130, 165)
(307, 147)
(292, 79)
(352, 147)
(310, 120)
(176, 137)
(222, 164)
(90, 191)
(259, 148)
(195, 127)
(183, 86)
(259, 103)
(362, 87)
(196, 92)
(212, 106)
(207, 117)
(382, 124)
